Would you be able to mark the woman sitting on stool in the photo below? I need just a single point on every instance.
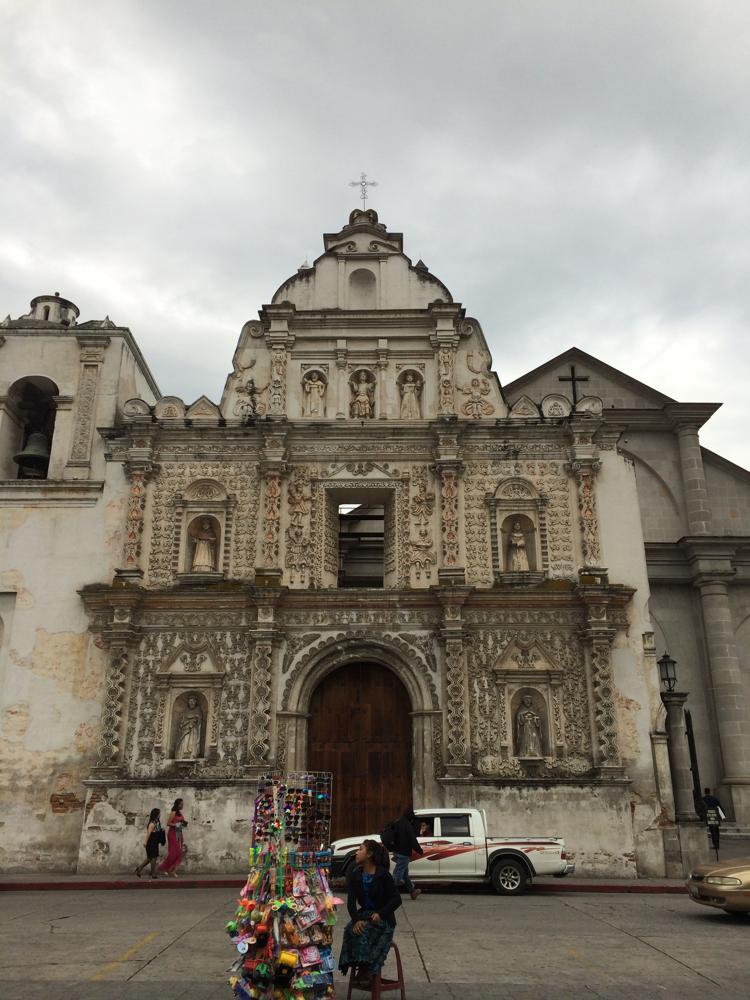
(373, 898)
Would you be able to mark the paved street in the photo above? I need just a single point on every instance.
(96, 945)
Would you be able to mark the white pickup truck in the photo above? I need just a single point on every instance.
(457, 849)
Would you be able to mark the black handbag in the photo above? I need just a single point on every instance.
(161, 838)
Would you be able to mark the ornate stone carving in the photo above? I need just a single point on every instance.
(476, 406)
(529, 731)
(189, 731)
(134, 518)
(271, 517)
(314, 386)
(362, 404)
(239, 479)
(587, 509)
(446, 391)
(277, 385)
(259, 737)
(421, 557)
(88, 381)
(298, 544)
(204, 554)
(449, 515)
(604, 708)
(456, 706)
(410, 385)
(330, 643)
(110, 737)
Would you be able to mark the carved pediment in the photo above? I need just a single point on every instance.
(136, 408)
(524, 659)
(204, 411)
(191, 661)
(169, 408)
(524, 408)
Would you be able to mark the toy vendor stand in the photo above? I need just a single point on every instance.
(283, 927)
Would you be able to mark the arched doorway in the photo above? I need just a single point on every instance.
(360, 729)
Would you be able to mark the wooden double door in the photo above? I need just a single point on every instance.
(360, 729)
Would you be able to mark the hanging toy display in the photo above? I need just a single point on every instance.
(283, 926)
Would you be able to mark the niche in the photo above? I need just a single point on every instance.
(530, 724)
(204, 545)
(362, 289)
(518, 536)
(189, 716)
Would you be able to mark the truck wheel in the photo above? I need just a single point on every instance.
(509, 877)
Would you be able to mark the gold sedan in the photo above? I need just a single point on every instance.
(725, 885)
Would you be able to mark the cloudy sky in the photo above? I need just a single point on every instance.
(576, 172)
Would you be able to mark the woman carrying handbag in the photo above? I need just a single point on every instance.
(154, 839)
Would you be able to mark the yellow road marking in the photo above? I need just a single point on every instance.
(102, 973)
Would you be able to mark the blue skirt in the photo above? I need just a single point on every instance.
(370, 948)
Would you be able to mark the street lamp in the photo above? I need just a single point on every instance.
(667, 672)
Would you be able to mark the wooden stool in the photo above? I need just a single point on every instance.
(380, 985)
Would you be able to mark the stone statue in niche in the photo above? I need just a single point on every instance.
(188, 742)
(363, 396)
(528, 729)
(410, 390)
(518, 558)
(314, 404)
(204, 555)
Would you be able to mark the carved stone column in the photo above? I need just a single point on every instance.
(273, 467)
(679, 756)
(280, 341)
(457, 711)
(342, 381)
(448, 467)
(92, 350)
(585, 473)
(598, 634)
(109, 757)
(382, 379)
(260, 737)
(138, 471)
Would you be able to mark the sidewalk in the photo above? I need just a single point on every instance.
(63, 880)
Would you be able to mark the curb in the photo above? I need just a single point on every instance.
(237, 883)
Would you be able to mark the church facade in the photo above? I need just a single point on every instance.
(370, 558)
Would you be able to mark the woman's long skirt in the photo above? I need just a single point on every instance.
(370, 948)
(174, 852)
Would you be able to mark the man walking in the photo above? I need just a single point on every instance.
(404, 843)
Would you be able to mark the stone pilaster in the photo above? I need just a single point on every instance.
(448, 468)
(382, 379)
(138, 469)
(272, 467)
(457, 713)
(694, 481)
(259, 739)
(342, 381)
(679, 756)
(598, 634)
(729, 697)
(92, 350)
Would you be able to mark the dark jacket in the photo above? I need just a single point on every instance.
(406, 835)
(383, 892)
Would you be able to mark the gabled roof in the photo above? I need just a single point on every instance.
(520, 385)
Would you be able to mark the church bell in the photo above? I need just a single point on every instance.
(34, 459)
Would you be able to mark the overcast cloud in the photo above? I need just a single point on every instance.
(576, 172)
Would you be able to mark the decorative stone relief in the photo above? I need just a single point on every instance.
(297, 537)
(456, 703)
(587, 509)
(80, 452)
(362, 406)
(259, 737)
(110, 739)
(410, 384)
(131, 553)
(314, 387)
(477, 406)
(271, 517)
(449, 515)
(446, 380)
(277, 385)
(604, 708)
(238, 478)
(422, 558)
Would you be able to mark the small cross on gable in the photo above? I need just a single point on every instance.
(574, 380)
